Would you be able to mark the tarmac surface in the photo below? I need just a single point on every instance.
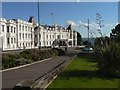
(30, 73)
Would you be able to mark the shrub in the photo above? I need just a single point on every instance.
(43, 55)
(110, 60)
(8, 60)
(35, 56)
(22, 61)
(25, 54)
(59, 52)
(28, 56)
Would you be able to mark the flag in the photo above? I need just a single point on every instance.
(51, 13)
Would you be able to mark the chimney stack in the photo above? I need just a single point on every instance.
(32, 20)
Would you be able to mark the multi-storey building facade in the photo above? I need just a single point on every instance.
(8, 34)
(25, 34)
(18, 34)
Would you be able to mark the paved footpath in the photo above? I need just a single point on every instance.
(12, 77)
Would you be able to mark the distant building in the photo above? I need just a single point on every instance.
(18, 34)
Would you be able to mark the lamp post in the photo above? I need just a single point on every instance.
(39, 27)
(2, 44)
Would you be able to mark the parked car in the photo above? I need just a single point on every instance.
(87, 50)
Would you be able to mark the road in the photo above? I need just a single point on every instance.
(12, 77)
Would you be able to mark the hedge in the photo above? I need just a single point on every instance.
(29, 56)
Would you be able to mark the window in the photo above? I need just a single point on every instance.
(2, 28)
(23, 28)
(11, 29)
(58, 36)
(20, 35)
(20, 27)
(53, 36)
(8, 29)
(23, 35)
(31, 35)
(50, 36)
(35, 44)
(47, 36)
(14, 29)
(26, 28)
(11, 40)
(14, 40)
(20, 44)
(28, 36)
(35, 36)
(8, 41)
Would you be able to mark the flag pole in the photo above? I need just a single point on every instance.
(88, 36)
(52, 17)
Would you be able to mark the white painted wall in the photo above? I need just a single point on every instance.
(23, 35)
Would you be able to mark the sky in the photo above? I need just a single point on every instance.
(64, 13)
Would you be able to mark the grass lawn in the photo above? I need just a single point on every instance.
(83, 73)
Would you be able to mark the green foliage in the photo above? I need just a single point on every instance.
(59, 52)
(8, 61)
(109, 52)
(115, 34)
(22, 61)
(28, 56)
(83, 73)
(101, 42)
(110, 60)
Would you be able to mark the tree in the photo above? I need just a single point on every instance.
(105, 42)
(79, 38)
(109, 62)
(115, 34)
(109, 57)
(87, 43)
(99, 22)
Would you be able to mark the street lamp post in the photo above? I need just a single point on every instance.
(39, 27)
(2, 44)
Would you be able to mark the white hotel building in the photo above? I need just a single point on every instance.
(18, 34)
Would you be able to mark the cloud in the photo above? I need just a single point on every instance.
(70, 22)
(73, 24)
(108, 25)
(91, 26)
(94, 27)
